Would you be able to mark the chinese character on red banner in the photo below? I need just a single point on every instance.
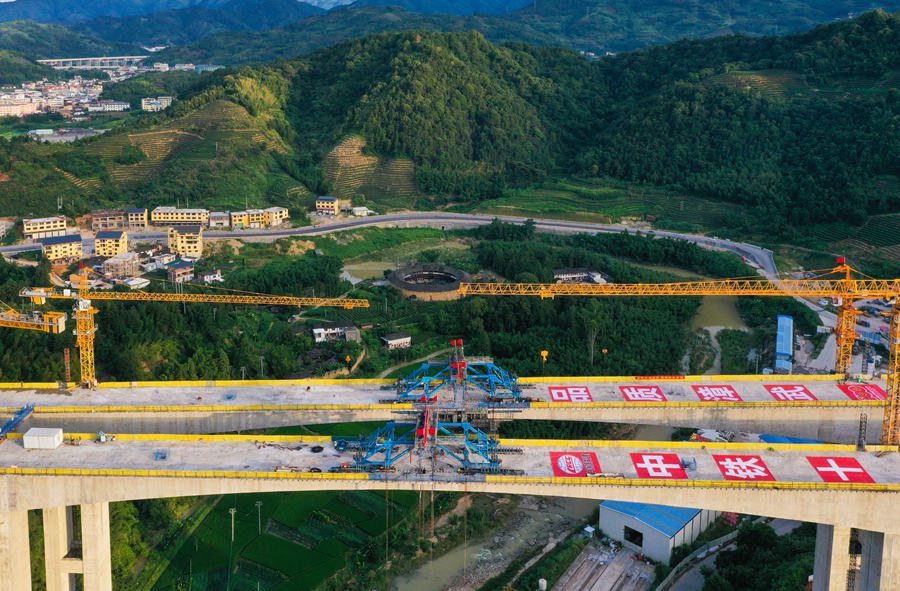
(574, 464)
(654, 465)
(643, 393)
(717, 394)
(863, 391)
(570, 394)
(743, 467)
(840, 469)
(790, 393)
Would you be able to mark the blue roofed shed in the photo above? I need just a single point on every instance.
(784, 345)
(653, 530)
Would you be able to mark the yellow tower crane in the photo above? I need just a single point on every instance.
(51, 322)
(84, 311)
(842, 282)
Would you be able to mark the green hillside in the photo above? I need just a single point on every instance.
(40, 41)
(15, 68)
(761, 136)
(589, 25)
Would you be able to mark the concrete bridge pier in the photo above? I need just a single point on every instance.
(15, 556)
(70, 556)
(855, 560)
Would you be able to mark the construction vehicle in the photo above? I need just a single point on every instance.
(84, 311)
(842, 283)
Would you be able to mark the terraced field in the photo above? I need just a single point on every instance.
(86, 185)
(791, 85)
(196, 136)
(603, 200)
(387, 181)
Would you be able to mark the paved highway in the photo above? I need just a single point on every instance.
(761, 257)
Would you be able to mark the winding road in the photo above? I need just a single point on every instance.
(761, 257)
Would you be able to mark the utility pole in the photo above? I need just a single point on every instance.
(261, 358)
(231, 512)
(258, 518)
(243, 373)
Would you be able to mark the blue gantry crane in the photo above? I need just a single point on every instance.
(424, 383)
(16, 420)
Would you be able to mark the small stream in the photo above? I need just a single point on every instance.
(533, 523)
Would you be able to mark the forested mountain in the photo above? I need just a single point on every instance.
(64, 11)
(589, 25)
(15, 68)
(450, 6)
(797, 129)
(39, 41)
(185, 25)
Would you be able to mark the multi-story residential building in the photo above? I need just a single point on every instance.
(110, 243)
(277, 215)
(108, 107)
(328, 205)
(173, 216)
(126, 264)
(180, 271)
(219, 219)
(35, 228)
(137, 218)
(186, 241)
(156, 104)
(18, 108)
(259, 218)
(107, 219)
(62, 248)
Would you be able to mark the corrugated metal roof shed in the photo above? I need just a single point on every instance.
(784, 342)
(663, 518)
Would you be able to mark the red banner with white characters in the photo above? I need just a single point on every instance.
(863, 391)
(739, 467)
(840, 469)
(643, 393)
(574, 464)
(790, 392)
(658, 465)
(570, 394)
(721, 393)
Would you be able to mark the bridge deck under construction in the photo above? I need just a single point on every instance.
(229, 456)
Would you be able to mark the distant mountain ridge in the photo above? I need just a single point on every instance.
(595, 25)
(185, 25)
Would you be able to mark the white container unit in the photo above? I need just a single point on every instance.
(43, 438)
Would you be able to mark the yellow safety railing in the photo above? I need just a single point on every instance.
(125, 472)
(631, 444)
(701, 404)
(215, 408)
(729, 484)
(246, 383)
(196, 437)
(680, 378)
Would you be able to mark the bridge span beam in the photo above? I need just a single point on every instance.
(66, 559)
(15, 556)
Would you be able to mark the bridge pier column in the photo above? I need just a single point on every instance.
(15, 556)
(97, 552)
(68, 555)
(832, 560)
(880, 568)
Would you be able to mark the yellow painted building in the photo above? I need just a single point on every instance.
(169, 216)
(63, 248)
(137, 217)
(187, 241)
(110, 243)
(259, 218)
(328, 205)
(36, 228)
(277, 215)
